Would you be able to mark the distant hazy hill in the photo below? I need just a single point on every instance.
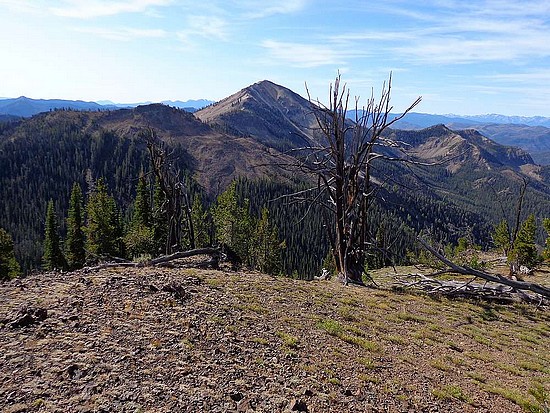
(529, 133)
(26, 107)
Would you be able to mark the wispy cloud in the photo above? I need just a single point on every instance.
(466, 33)
(254, 9)
(208, 27)
(308, 54)
(85, 9)
(122, 33)
(22, 6)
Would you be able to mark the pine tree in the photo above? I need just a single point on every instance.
(546, 252)
(201, 223)
(140, 239)
(266, 249)
(9, 267)
(524, 251)
(103, 229)
(74, 244)
(501, 237)
(53, 257)
(233, 223)
(142, 206)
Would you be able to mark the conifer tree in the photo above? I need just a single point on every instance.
(103, 229)
(233, 223)
(9, 267)
(142, 206)
(140, 236)
(524, 251)
(546, 252)
(501, 237)
(201, 223)
(266, 249)
(53, 257)
(74, 244)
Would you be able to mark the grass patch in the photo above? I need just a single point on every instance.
(367, 363)
(440, 365)
(406, 316)
(361, 342)
(347, 313)
(510, 369)
(331, 327)
(337, 330)
(260, 340)
(369, 379)
(477, 377)
(516, 397)
(288, 339)
(451, 392)
(531, 366)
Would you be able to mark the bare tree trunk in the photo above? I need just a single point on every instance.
(178, 206)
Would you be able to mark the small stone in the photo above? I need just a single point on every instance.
(236, 397)
(298, 406)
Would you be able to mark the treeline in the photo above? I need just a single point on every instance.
(96, 229)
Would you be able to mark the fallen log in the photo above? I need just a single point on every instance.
(467, 289)
(214, 252)
(495, 278)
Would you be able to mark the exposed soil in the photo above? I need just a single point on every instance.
(187, 340)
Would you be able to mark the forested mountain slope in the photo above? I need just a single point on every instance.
(41, 157)
(466, 167)
(468, 183)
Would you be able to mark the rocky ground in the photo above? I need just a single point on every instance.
(188, 340)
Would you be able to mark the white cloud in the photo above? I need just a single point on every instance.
(255, 9)
(122, 33)
(308, 55)
(465, 33)
(208, 27)
(85, 9)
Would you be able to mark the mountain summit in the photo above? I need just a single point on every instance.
(273, 114)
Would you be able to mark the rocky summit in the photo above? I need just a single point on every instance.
(187, 340)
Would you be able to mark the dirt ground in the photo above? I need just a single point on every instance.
(188, 340)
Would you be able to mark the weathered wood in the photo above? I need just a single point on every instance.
(469, 289)
(499, 279)
(185, 254)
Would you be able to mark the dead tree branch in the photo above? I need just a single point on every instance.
(494, 278)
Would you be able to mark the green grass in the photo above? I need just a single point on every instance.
(337, 330)
(288, 339)
(452, 392)
(516, 397)
(331, 327)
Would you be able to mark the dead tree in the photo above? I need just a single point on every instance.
(522, 289)
(177, 200)
(341, 161)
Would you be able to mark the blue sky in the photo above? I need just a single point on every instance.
(462, 57)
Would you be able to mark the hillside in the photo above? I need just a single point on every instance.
(466, 167)
(27, 107)
(41, 157)
(529, 134)
(154, 340)
(462, 191)
(272, 114)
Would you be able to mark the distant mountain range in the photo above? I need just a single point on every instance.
(26, 107)
(529, 133)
